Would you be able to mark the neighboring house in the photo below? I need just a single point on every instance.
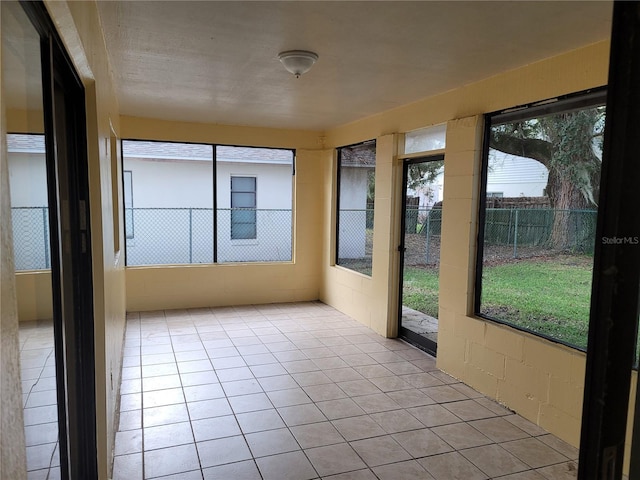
(508, 176)
(357, 165)
(512, 176)
(169, 189)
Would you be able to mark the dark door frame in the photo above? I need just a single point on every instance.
(613, 321)
(418, 340)
(71, 261)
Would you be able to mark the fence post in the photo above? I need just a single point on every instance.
(45, 237)
(190, 235)
(515, 236)
(428, 233)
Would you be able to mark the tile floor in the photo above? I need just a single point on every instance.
(301, 391)
(37, 365)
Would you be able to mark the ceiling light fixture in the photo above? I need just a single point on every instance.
(298, 62)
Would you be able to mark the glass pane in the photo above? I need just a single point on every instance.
(243, 231)
(243, 184)
(22, 81)
(542, 192)
(243, 216)
(356, 197)
(243, 200)
(425, 139)
(240, 170)
(168, 202)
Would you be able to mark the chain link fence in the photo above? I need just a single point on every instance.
(163, 236)
(31, 238)
(509, 233)
(533, 232)
(355, 239)
(272, 242)
(167, 236)
(422, 232)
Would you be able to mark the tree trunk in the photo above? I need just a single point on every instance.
(565, 197)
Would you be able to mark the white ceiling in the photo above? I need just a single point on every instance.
(216, 61)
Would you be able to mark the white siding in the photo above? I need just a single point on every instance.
(27, 179)
(516, 176)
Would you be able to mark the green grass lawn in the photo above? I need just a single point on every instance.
(546, 296)
(420, 290)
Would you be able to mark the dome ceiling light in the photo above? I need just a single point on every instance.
(298, 62)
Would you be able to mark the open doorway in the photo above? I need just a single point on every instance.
(420, 251)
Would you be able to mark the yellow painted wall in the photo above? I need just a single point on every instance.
(370, 299)
(35, 300)
(81, 32)
(541, 380)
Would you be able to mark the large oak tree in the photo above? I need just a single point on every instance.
(567, 144)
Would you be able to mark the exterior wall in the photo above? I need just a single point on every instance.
(28, 179)
(516, 176)
(537, 378)
(171, 184)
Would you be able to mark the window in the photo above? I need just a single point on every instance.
(425, 139)
(356, 197)
(199, 203)
(173, 209)
(537, 237)
(243, 208)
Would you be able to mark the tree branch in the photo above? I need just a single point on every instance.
(534, 148)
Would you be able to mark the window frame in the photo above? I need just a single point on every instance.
(566, 103)
(214, 179)
(339, 150)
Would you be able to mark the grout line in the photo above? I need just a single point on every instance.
(239, 320)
